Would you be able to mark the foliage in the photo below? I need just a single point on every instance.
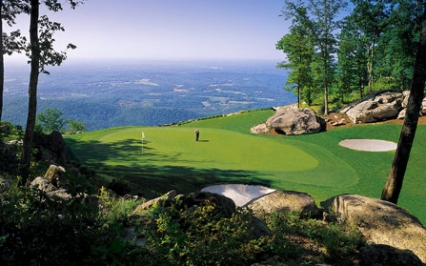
(36, 229)
(75, 126)
(178, 234)
(299, 49)
(375, 46)
(337, 241)
(320, 19)
(52, 120)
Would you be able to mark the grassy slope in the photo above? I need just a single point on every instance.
(227, 152)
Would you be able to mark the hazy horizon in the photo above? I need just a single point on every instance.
(169, 30)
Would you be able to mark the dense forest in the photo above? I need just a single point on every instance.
(343, 51)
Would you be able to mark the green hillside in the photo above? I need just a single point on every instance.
(227, 152)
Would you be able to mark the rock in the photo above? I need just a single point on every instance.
(60, 193)
(280, 201)
(423, 109)
(53, 183)
(260, 228)
(56, 176)
(146, 205)
(380, 222)
(261, 128)
(378, 106)
(384, 255)
(54, 143)
(401, 114)
(405, 95)
(224, 206)
(43, 184)
(341, 122)
(296, 121)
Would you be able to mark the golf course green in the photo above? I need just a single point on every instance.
(154, 160)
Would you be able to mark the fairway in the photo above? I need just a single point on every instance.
(228, 153)
(223, 150)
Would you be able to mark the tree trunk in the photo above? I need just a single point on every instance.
(32, 92)
(396, 176)
(1, 63)
(370, 67)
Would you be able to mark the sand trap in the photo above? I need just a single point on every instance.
(368, 144)
(239, 193)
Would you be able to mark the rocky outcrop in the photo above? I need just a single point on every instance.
(380, 222)
(55, 183)
(55, 145)
(283, 201)
(380, 106)
(377, 106)
(292, 121)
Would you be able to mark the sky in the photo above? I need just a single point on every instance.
(171, 29)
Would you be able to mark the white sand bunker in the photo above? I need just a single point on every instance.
(239, 193)
(368, 144)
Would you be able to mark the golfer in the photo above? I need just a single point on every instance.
(197, 134)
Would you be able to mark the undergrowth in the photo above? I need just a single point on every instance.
(38, 230)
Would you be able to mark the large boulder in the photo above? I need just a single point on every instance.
(55, 145)
(381, 222)
(280, 201)
(376, 107)
(294, 121)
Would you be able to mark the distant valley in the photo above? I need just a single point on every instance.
(110, 94)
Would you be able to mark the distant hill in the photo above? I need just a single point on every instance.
(111, 94)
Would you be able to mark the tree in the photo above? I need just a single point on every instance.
(398, 42)
(41, 55)
(320, 17)
(298, 47)
(351, 67)
(75, 126)
(395, 179)
(51, 120)
(370, 16)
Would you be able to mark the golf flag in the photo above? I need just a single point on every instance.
(143, 136)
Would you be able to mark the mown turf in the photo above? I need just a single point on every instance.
(228, 152)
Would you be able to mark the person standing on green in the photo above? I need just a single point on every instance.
(197, 134)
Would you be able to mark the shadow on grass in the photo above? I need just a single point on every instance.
(149, 179)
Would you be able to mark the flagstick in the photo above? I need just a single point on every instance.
(143, 136)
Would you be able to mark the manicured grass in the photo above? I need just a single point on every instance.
(228, 152)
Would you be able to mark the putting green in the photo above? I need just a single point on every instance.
(264, 158)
